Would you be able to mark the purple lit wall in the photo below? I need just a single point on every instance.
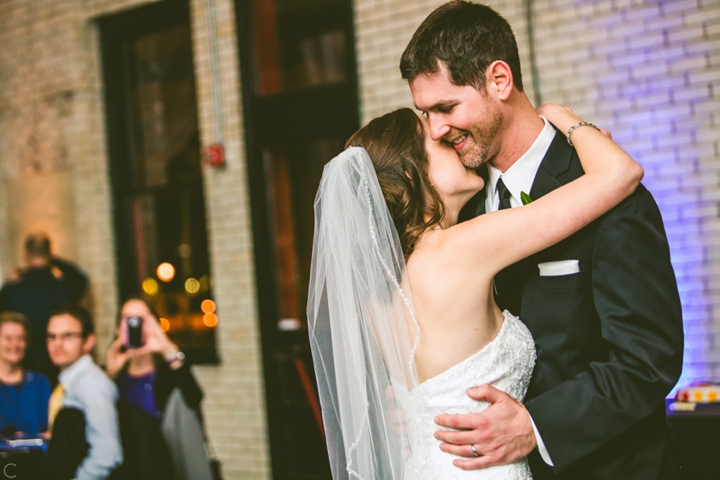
(650, 72)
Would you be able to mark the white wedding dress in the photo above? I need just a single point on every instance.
(505, 363)
(363, 335)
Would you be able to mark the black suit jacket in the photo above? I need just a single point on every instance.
(68, 447)
(609, 338)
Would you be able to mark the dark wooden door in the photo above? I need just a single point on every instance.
(300, 106)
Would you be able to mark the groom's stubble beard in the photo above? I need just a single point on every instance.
(482, 135)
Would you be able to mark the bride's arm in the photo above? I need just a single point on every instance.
(506, 236)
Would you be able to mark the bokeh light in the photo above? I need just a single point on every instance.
(210, 319)
(165, 272)
(207, 306)
(164, 324)
(150, 286)
(192, 286)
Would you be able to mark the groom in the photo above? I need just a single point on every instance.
(602, 305)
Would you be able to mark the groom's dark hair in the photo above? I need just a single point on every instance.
(467, 37)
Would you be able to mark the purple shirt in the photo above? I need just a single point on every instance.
(140, 391)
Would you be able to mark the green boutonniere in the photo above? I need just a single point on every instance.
(525, 198)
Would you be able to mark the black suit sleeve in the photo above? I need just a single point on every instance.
(181, 378)
(636, 298)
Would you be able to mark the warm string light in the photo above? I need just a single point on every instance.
(207, 306)
(150, 286)
(192, 286)
(210, 320)
(165, 272)
(164, 324)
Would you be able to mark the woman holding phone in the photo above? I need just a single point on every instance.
(158, 394)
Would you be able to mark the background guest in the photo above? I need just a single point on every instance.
(36, 290)
(159, 398)
(24, 395)
(85, 442)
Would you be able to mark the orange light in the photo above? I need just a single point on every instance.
(207, 306)
(150, 286)
(165, 272)
(210, 319)
(164, 324)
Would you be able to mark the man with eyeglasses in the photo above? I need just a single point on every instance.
(85, 442)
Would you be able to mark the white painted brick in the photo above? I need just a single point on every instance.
(678, 6)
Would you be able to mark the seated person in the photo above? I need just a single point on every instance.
(160, 418)
(24, 395)
(85, 441)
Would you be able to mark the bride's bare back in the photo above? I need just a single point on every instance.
(456, 313)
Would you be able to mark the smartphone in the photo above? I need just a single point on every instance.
(134, 332)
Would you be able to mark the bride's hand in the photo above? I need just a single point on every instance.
(562, 117)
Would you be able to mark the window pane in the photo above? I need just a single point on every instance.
(298, 44)
(166, 201)
(164, 107)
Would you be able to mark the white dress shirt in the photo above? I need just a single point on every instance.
(88, 389)
(521, 175)
(519, 178)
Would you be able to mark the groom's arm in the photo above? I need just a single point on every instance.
(636, 298)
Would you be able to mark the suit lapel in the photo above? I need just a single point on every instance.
(555, 163)
(543, 184)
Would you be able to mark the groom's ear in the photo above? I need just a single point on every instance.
(499, 80)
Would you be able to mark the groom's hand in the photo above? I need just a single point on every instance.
(501, 434)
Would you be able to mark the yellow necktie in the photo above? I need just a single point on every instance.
(56, 400)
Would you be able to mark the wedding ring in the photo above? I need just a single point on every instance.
(472, 447)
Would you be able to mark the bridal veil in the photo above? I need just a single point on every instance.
(362, 328)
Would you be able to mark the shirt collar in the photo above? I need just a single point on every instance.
(521, 174)
(70, 374)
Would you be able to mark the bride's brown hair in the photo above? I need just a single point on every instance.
(396, 145)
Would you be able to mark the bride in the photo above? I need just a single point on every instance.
(401, 312)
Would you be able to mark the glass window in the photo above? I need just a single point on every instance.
(157, 177)
(311, 51)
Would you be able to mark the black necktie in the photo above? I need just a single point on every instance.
(504, 195)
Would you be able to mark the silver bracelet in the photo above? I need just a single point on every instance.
(176, 355)
(578, 125)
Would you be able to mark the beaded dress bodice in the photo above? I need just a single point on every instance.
(505, 363)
